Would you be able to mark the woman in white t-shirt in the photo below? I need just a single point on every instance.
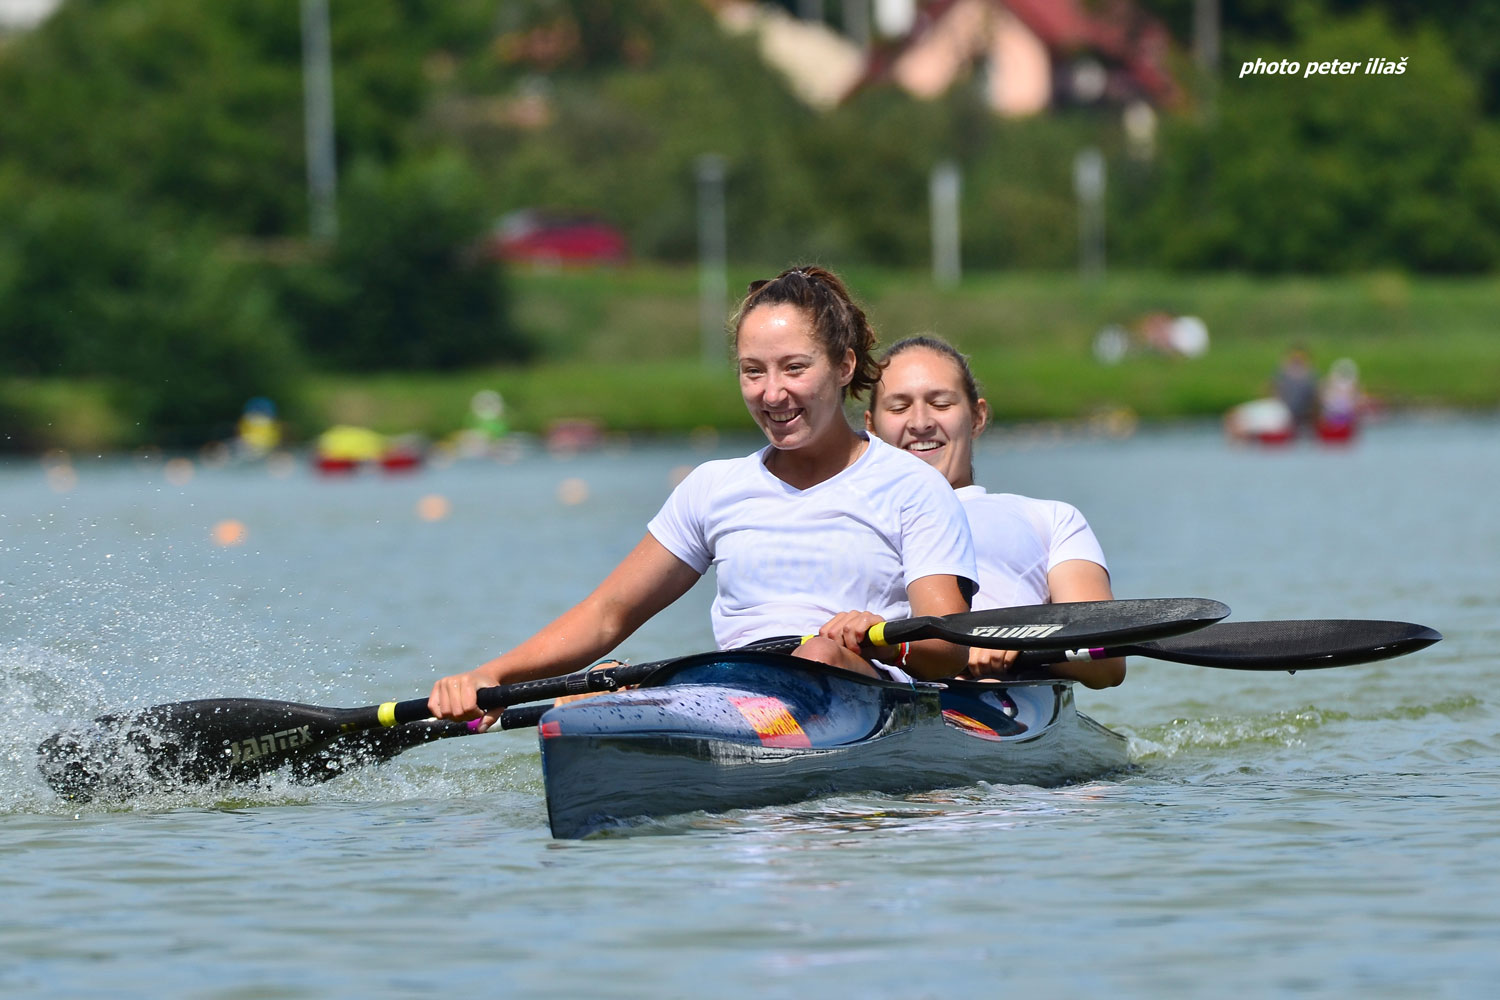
(826, 531)
(1028, 551)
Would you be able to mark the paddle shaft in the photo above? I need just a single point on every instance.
(502, 696)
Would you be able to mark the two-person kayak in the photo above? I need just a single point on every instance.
(734, 729)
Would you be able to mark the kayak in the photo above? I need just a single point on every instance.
(733, 730)
(740, 728)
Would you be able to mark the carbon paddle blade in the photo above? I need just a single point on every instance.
(1292, 645)
(1061, 626)
(197, 742)
(372, 746)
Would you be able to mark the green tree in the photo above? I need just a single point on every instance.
(90, 287)
(197, 108)
(624, 139)
(1333, 173)
(1471, 29)
(407, 284)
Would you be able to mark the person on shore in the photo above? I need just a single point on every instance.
(1028, 551)
(1296, 385)
(1340, 399)
(825, 530)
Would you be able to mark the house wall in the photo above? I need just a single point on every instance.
(1018, 78)
(820, 64)
(928, 68)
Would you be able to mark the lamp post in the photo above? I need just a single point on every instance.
(1088, 186)
(943, 193)
(713, 281)
(317, 106)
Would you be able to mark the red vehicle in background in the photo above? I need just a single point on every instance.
(555, 239)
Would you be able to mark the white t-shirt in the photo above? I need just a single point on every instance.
(787, 560)
(1018, 540)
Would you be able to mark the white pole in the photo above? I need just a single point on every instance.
(1206, 49)
(944, 189)
(317, 98)
(1088, 185)
(857, 22)
(713, 280)
(1206, 36)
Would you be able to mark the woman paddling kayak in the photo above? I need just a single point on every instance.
(1028, 551)
(825, 530)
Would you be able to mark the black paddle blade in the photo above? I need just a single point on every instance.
(372, 746)
(1292, 645)
(1055, 626)
(196, 742)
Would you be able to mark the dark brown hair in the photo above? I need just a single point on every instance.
(838, 323)
(939, 346)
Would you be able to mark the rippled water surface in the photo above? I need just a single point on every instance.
(1329, 833)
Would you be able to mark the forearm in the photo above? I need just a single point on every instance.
(933, 659)
(998, 663)
(1092, 673)
(1081, 580)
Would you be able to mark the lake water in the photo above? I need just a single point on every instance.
(1324, 834)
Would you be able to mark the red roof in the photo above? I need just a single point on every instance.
(1120, 32)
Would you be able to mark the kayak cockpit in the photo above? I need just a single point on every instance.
(741, 729)
(739, 697)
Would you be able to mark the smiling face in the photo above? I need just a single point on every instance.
(921, 407)
(792, 389)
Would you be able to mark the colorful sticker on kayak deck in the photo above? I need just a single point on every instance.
(772, 722)
(969, 725)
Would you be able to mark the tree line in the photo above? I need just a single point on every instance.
(152, 176)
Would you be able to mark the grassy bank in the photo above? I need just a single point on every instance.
(624, 348)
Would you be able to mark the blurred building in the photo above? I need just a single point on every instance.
(1026, 56)
(18, 14)
(822, 65)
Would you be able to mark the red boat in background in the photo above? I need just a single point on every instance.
(1340, 406)
(1261, 421)
(1336, 431)
(1269, 422)
(554, 239)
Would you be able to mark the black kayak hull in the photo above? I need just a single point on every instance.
(740, 730)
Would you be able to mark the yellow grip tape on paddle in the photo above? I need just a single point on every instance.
(875, 637)
(387, 714)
